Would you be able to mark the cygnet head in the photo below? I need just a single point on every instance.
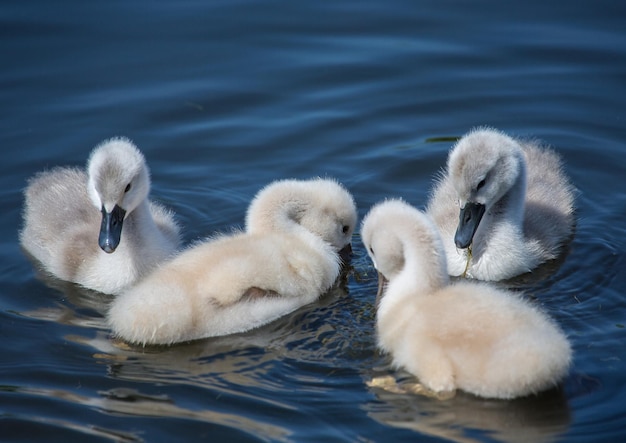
(397, 235)
(119, 181)
(321, 206)
(483, 166)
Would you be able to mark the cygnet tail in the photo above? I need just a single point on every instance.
(144, 316)
(534, 365)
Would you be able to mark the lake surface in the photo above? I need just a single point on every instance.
(225, 96)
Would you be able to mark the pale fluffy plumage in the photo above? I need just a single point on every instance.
(466, 335)
(287, 258)
(63, 220)
(527, 199)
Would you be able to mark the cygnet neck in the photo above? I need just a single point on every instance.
(425, 265)
(509, 210)
(140, 228)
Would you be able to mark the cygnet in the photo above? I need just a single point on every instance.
(466, 335)
(503, 206)
(96, 227)
(286, 258)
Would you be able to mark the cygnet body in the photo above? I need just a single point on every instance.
(466, 335)
(96, 227)
(505, 202)
(287, 257)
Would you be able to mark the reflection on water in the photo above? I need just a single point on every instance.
(133, 403)
(33, 427)
(466, 418)
(232, 371)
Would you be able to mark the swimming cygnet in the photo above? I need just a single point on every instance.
(503, 206)
(287, 257)
(466, 335)
(96, 227)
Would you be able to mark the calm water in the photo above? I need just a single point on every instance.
(226, 96)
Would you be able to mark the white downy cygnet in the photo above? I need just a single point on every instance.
(466, 335)
(287, 257)
(503, 206)
(96, 227)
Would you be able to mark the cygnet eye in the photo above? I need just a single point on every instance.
(372, 250)
(345, 229)
(127, 188)
(480, 184)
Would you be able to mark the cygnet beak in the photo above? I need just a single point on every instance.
(469, 219)
(346, 254)
(111, 229)
(382, 282)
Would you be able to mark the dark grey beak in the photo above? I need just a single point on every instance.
(469, 220)
(346, 254)
(111, 229)
(381, 288)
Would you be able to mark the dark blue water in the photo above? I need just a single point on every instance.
(226, 96)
